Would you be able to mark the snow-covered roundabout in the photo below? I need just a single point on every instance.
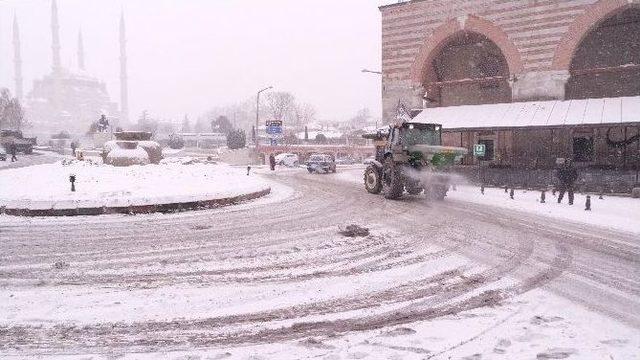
(175, 184)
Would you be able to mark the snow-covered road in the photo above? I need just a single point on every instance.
(273, 279)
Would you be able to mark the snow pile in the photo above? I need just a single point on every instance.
(48, 187)
(186, 160)
(126, 153)
(128, 157)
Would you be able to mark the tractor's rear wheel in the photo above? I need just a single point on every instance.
(373, 179)
(392, 184)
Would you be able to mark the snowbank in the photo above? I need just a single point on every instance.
(47, 186)
(128, 157)
(618, 213)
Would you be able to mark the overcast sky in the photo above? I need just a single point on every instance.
(186, 56)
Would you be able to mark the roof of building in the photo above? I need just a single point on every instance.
(555, 113)
(398, 3)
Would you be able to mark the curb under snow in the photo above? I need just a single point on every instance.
(138, 209)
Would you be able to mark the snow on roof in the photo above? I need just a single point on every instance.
(536, 113)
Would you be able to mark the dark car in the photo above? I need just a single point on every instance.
(321, 163)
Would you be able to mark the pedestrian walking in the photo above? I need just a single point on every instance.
(567, 176)
(13, 149)
(73, 148)
(272, 162)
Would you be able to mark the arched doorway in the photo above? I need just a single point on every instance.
(467, 69)
(606, 63)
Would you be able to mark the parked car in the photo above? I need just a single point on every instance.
(287, 159)
(321, 162)
(3, 154)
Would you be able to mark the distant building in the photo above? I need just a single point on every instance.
(204, 140)
(67, 100)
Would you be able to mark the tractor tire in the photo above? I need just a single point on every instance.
(392, 184)
(373, 180)
(438, 192)
(413, 187)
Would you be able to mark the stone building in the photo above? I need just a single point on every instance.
(455, 52)
(533, 80)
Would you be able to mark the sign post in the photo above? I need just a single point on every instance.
(479, 151)
(274, 131)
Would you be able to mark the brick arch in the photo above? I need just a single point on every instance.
(471, 23)
(583, 25)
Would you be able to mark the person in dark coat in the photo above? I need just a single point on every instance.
(567, 176)
(73, 148)
(12, 150)
(272, 162)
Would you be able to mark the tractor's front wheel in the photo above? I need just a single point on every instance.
(392, 184)
(373, 179)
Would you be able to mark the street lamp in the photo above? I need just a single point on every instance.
(377, 73)
(372, 71)
(258, 112)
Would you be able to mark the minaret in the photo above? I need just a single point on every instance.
(124, 90)
(17, 59)
(80, 51)
(55, 37)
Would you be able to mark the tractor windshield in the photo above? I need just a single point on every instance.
(426, 134)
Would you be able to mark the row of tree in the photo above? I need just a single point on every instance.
(273, 106)
(11, 113)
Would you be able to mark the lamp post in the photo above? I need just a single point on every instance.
(258, 112)
(372, 71)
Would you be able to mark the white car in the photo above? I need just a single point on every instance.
(287, 159)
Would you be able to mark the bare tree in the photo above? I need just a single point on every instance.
(304, 113)
(242, 115)
(280, 105)
(361, 118)
(186, 126)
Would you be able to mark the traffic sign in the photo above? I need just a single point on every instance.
(274, 127)
(479, 150)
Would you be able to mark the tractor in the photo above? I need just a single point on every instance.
(410, 156)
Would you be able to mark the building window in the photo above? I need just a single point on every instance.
(488, 150)
(582, 149)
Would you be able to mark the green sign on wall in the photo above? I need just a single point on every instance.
(479, 150)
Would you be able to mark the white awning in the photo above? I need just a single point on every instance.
(620, 110)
